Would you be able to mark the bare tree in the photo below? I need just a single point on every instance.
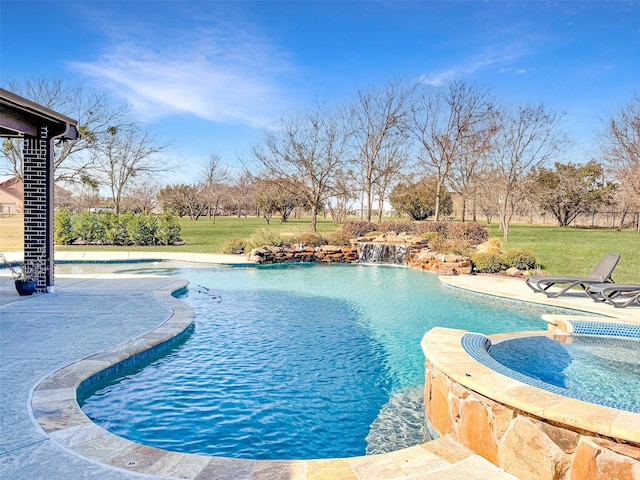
(342, 197)
(143, 198)
(305, 155)
(94, 111)
(242, 196)
(620, 147)
(85, 193)
(214, 178)
(184, 200)
(527, 137)
(127, 154)
(272, 198)
(463, 179)
(486, 198)
(375, 119)
(627, 201)
(450, 125)
(466, 167)
(393, 164)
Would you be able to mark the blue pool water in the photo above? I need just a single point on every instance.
(600, 370)
(296, 362)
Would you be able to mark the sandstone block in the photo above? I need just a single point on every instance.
(475, 429)
(529, 454)
(502, 418)
(593, 461)
(437, 402)
(565, 439)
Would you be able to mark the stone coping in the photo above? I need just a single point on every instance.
(443, 348)
(54, 407)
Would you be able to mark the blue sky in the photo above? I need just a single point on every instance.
(210, 75)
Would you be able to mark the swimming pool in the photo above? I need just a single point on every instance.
(295, 361)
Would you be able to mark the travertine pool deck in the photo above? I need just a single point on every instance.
(100, 320)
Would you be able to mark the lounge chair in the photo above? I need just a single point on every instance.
(600, 274)
(625, 294)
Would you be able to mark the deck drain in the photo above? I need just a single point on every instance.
(131, 463)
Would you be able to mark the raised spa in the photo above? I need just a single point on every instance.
(597, 369)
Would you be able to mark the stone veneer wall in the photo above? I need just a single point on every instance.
(420, 257)
(303, 253)
(524, 445)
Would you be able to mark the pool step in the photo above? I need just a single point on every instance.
(441, 459)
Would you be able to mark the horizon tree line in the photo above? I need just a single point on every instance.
(456, 138)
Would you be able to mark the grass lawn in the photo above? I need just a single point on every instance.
(572, 251)
(11, 232)
(204, 236)
(563, 251)
(200, 236)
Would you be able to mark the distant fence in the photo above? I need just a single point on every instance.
(629, 220)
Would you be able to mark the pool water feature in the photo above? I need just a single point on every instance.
(293, 361)
(603, 370)
(384, 253)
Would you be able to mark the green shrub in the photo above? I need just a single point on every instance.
(519, 258)
(114, 229)
(88, 227)
(111, 229)
(141, 229)
(234, 246)
(169, 230)
(63, 227)
(487, 262)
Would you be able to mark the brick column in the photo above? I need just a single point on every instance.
(38, 204)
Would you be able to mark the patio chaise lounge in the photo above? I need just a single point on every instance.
(625, 294)
(600, 274)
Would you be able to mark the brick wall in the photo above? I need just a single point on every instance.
(37, 195)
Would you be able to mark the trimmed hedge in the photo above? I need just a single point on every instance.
(111, 229)
(63, 233)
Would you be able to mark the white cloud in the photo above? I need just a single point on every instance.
(490, 58)
(223, 76)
